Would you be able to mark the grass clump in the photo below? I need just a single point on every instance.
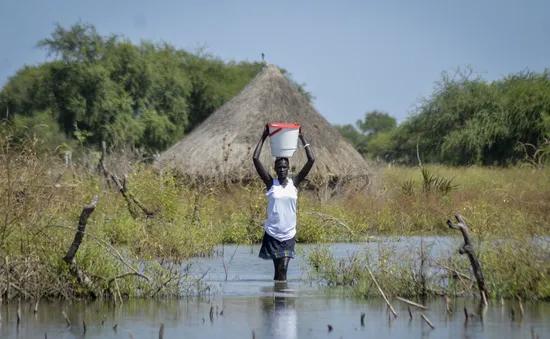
(512, 268)
(124, 253)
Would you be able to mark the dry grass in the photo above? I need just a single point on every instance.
(41, 200)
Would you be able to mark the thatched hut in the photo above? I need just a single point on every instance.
(223, 144)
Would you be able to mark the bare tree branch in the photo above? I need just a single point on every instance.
(69, 257)
(468, 249)
(117, 254)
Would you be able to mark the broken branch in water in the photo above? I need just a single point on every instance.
(427, 320)
(69, 257)
(116, 253)
(468, 249)
(412, 303)
(381, 292)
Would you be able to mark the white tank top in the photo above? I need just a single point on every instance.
(281, 210)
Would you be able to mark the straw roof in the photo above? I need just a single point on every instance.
(223, 144)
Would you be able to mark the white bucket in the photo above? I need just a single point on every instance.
(283, 139)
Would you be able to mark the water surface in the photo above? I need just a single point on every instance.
(245, 300)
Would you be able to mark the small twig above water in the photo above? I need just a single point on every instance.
(447, 304)
(520, 304)
(66, 318)
(19, 312)
(226, 267)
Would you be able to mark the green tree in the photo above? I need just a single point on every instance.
(468, 120)
(106, 88)
(352, 135)
(375, 122)
(79, 43)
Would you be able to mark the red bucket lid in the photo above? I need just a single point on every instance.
(280, 125)
(283, 125)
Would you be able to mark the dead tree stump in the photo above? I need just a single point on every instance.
(468, 249)
(69, 258)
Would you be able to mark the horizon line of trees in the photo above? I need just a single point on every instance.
(148, 96)
(466, 121)
(106, 88)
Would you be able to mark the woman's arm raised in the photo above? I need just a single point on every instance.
(256, 158)
(309, 164)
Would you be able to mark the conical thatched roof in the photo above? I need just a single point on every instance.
(223, 144)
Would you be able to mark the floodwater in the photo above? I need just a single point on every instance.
(246, 303)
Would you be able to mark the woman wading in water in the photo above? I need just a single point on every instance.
(282, 192)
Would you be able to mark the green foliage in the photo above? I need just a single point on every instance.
(352, 135)
(107, 88)
(431, 182)
(376, 122)
(517, 267)
(535, 156)
(374, 133)
(42, 128)
(468, 120)
(465, 121)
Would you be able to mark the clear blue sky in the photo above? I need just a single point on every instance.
(354, 56)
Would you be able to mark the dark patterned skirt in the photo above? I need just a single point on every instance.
(275, 249)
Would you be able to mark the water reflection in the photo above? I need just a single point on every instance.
(279, 313)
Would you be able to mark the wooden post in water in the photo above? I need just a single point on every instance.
(427, 320)
(69, 258)
(468, 249)
(19, 312)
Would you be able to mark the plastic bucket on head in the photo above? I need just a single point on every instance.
(283, 139)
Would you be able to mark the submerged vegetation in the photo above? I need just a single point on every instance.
(514, 267)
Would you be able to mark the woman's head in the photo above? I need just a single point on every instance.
(281, 167)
